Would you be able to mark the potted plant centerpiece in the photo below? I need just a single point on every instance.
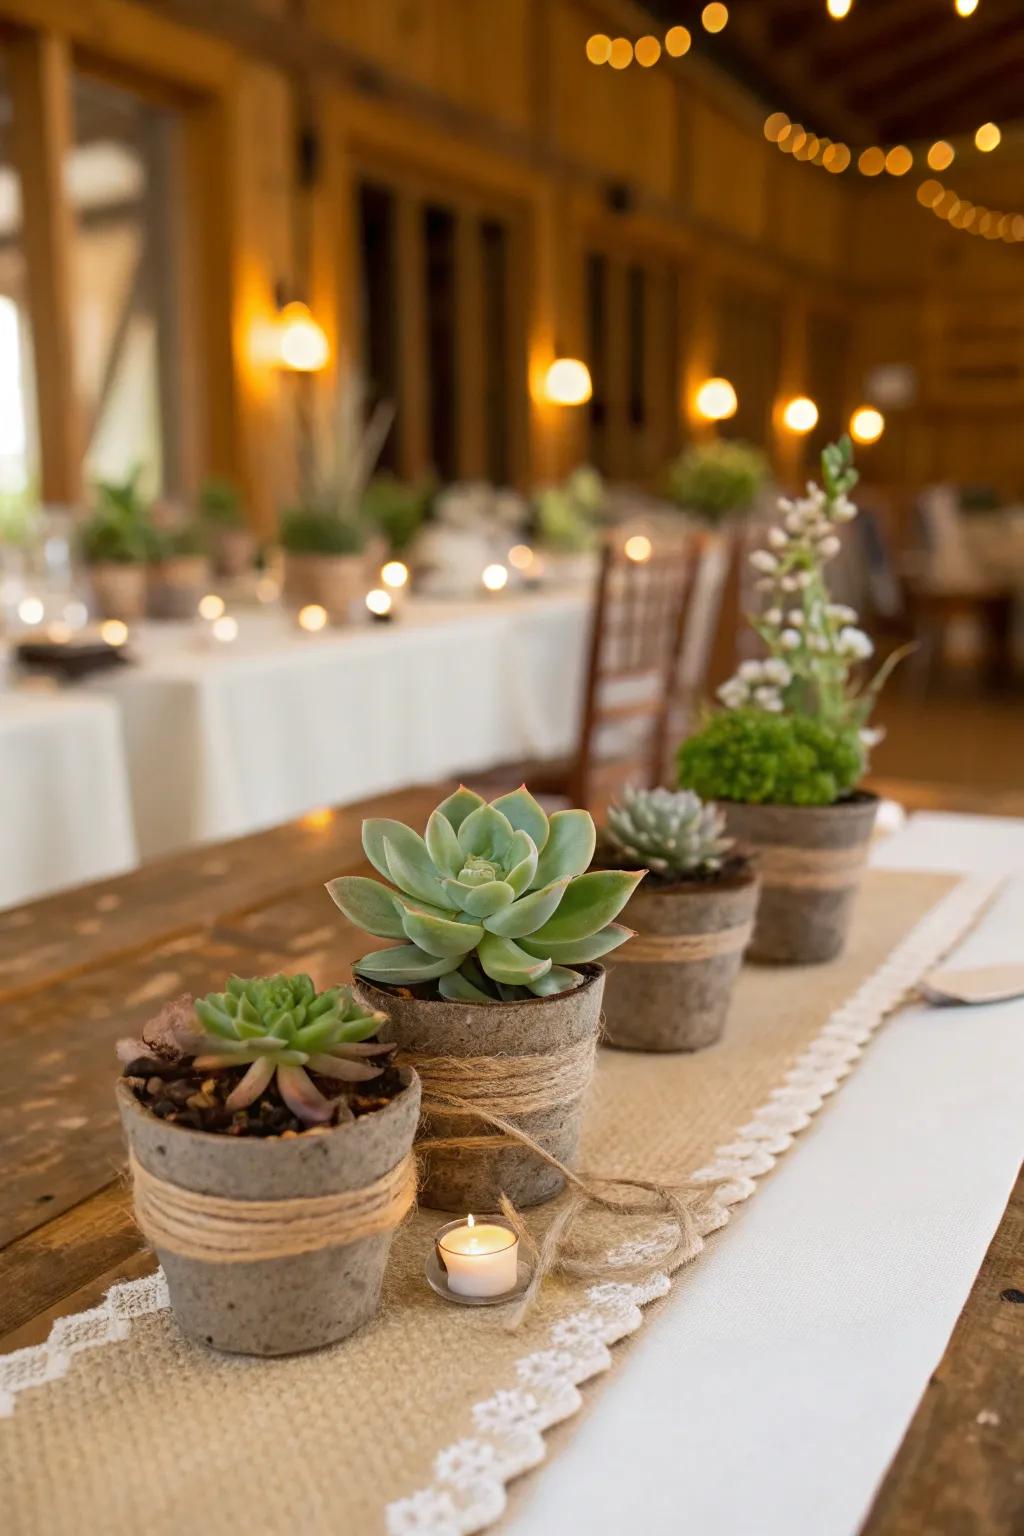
(566, 526)
(717, 482)
(397, 510)
(492, 989)
(179, 571)
(670, 986)
(784, 756)
(230, 541)
(269, 1135)
(117, 541)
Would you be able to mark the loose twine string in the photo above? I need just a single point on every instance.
(493, 1088)
(809, 869)
(683, 948)
(218, 1230)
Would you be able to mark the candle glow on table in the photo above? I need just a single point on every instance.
(481, 1260)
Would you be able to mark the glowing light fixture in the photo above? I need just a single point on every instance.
(988, 138)
(775, 126)
(211, 606)
(567, 382)
(837, 9)
(837, 158)
(678, 41)
(620, 54)
(31, 610)
(966, 7)
(394, 574)
(114, 631)
(225, 629)
(379, 602)
(866, 424)
(312, 618)
(899, 160)
(716, 400)
(648, 51)
(715, 17)
(599, 48)
(638, 548)
(929, 192)
(301, 342)
(319, 819)
(872, 161)
(941, 155)
(800, 415)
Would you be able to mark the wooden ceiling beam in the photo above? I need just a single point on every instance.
(945, 103)
(797, 88)
(934, 56)
(868, 29)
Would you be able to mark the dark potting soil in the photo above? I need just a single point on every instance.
(734, 872)
(175, 1091)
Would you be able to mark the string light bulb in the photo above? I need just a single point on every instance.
(225, 629)
(838, 9)
(31, 610)
(800, 415)
(647, 51)
(775, 126)
(211, 606)
(837, 159)
(599, 48)
(965, 7)
(866, 425)
(638, 548)
(678, 41)
(715, 17)
(988, 138)
(114, 631)
(379, 602)
(872, 161)
(568, 382)
(716, 400)
(394, 574)
(899, 160)
(312, 618)
(495, 577)
(620, 54)
(941, 155)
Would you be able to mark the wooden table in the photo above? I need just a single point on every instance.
(80, 969)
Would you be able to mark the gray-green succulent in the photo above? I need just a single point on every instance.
(671, 831)
(279, 1026)
(494, 902)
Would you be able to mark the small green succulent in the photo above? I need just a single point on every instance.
(493, 903)
(671, 831)
(749, 755)
(279, 1026)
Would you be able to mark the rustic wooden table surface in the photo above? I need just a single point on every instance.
(80, 969)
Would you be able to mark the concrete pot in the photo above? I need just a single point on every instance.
(657, 1000)
(275, 1306)
(810, 859)
(119, 590)
(234, 550)
(176, 585)
(338, 583)
(473, 1179)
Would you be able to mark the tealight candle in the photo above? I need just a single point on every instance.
(480, 1259)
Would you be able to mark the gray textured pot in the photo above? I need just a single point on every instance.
(657, 996)
(234, 550)
(473, 1179)
(176, 585)
(810, 859)
(275, 1306)
(119, 590)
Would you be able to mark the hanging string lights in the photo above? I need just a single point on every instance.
(620, 52)
(971, 218)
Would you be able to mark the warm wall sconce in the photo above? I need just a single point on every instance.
(866, 424)
(716, 400)
(301, 343)
(567, 382)
(800, 415)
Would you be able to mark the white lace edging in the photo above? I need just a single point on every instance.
(468, 1491)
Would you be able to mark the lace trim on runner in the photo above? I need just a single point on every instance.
(468, 1491)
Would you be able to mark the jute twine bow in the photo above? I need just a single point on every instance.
(809, 869)
(218, 1230)
(489, 1089)
(683, 948)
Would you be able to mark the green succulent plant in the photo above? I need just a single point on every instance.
(493, 903)
(748, 755)
(315, 530)
(119, 530)
(279, 1026)
(717, 479)
(397, 509)
(671, 831)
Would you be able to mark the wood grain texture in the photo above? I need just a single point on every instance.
(960, 1469)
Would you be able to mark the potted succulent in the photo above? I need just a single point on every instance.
(492, 987)
(269, 1134)
(230, 541)
(117, 542)
(566, 521)
(784, 757)
(397, 510)
(718, 481)
(179, 571)
(670, 986)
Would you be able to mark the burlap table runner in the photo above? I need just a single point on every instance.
(415, 1424)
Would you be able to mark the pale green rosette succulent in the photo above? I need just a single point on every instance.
(493, 903)
(673, 832)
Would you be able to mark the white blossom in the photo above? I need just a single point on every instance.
(829, 547)
(789, 584)
(871, 735)
(842, 613)
(778, 671)
(843, 510)
(855, 643)
(761, 560)
(767, 698)
(750, 671)
(794, 522)
(790, 640)
(795, 618)
(778, 538)
(819, 643)
(772, 616)
(733, 693)
(801, 581)
(765, 584)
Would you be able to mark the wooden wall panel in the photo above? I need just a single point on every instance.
(728, 166)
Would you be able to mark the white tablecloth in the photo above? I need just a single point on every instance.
(770, 1394)
(65, 811)
(224, 740)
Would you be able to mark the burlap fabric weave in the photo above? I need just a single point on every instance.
(153, 1434)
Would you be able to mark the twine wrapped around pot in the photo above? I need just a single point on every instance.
(216, 1230)
(684, 948)
(809, 869)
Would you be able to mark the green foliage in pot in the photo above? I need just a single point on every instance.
(179, 543)
(119, 530)
(493, 904)
(671, 831)
(761, 758)
(219, 504)
(317, 530)
(566, 517)
(717, 480)
(397, 509)
(277, 1027)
